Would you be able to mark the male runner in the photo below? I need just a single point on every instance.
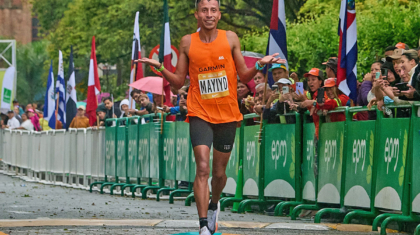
(212, 58)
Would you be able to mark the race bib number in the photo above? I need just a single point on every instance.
(213, 85)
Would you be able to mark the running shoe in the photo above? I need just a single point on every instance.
(213, 217)
(205, 231)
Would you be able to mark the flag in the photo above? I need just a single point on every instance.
(49, 103)
(60, 91)
(165, 51)
(347, 52)
(94, 87)
(277, 42)
(136, 70)
(71, 98)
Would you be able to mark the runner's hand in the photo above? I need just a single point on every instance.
(150, 62)
(271, 59)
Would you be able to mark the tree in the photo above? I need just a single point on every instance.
(31, 75)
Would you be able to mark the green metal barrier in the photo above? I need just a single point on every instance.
(169, 157)
(110, 155)
(143, 157)
(415, 191)
(156, 156)
(121, 155)
(184, 164)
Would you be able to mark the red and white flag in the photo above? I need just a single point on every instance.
(94, 86)
(136, 68)
(165, 51)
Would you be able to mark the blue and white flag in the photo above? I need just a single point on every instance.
(71, 101)
(277, 42)
(49, 104)
(61, 91)
(347, 52)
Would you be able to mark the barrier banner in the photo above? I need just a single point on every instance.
(233, 166)
(110, 150)
(154, 149)
(182, 151)
(121, 154)
(144, 150)
(416, 162)
(392, 155)
(280, 158)
(308, 176)
(132, 135)
(359, 162)
(169, 168)
(330, 162)
(251, 160)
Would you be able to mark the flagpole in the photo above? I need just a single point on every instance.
(161, 98)
(263, 102)
(56, 109)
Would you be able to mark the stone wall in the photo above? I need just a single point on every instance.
(16, 20)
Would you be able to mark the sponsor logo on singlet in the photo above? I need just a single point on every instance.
(211, 68)
(213, 85)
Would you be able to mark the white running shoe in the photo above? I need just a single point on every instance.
(205, 231)
(213, 217)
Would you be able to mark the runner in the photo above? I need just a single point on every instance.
(213, 59)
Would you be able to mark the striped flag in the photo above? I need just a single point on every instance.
(49, 102)
(59, 89)
(94, 86)
(277, 42)
(136, 70)
(165, 51)
(347, 52)
(71, 98)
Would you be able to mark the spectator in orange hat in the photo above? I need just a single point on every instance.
(402, 45)
(335, 99)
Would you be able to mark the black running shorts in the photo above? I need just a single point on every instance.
(220, 135)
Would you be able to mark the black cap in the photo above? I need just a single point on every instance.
(15, 101)
(101, 108)
(10, 111)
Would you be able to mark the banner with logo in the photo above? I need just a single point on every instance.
(7, 79)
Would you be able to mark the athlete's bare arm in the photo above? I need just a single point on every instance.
(176, 79)
(244, 73)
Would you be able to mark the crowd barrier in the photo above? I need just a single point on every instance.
(358, 169)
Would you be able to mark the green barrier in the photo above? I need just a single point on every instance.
(169, 157)
(277, 164)
(397, 164)
(110, 155)
(183, 159)
(143, 159)
(232, 167)
(121, 158)
(155, 155)
(308, 149)
(415, 193)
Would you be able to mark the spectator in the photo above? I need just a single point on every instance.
(365, 95)
(335, 99)
(392, 76)
(26, 124)
(279, 71)
(111, 111)
(16, 104)
(34, 119)
(43, 123)
(389, 51)
(124, 108)
(278, 103)
(28, 106)
(17, 114)
(259, 90)
(331, 67)
(101, 113)
(244, 96)
(258, 78)
(80, 121)
(402, 45)
(409, 64)
(159, 107)
(12, 123)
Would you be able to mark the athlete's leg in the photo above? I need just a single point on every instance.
(201, 187)
(201, 138)
(218, 180)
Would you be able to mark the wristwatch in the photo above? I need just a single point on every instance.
(314, 104)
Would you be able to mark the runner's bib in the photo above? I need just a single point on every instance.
(213, 85)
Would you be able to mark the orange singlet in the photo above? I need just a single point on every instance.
(213, 81)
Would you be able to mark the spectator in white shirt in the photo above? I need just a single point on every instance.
(26, 124)
(12, 123)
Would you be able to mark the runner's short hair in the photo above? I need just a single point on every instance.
(198, 1)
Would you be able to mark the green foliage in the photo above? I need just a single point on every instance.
(31, 74)
(313, 38)
(49, 12)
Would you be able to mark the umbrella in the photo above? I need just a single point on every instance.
(250, 59)
(149, 84)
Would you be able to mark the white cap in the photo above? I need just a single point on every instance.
(284, 81)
